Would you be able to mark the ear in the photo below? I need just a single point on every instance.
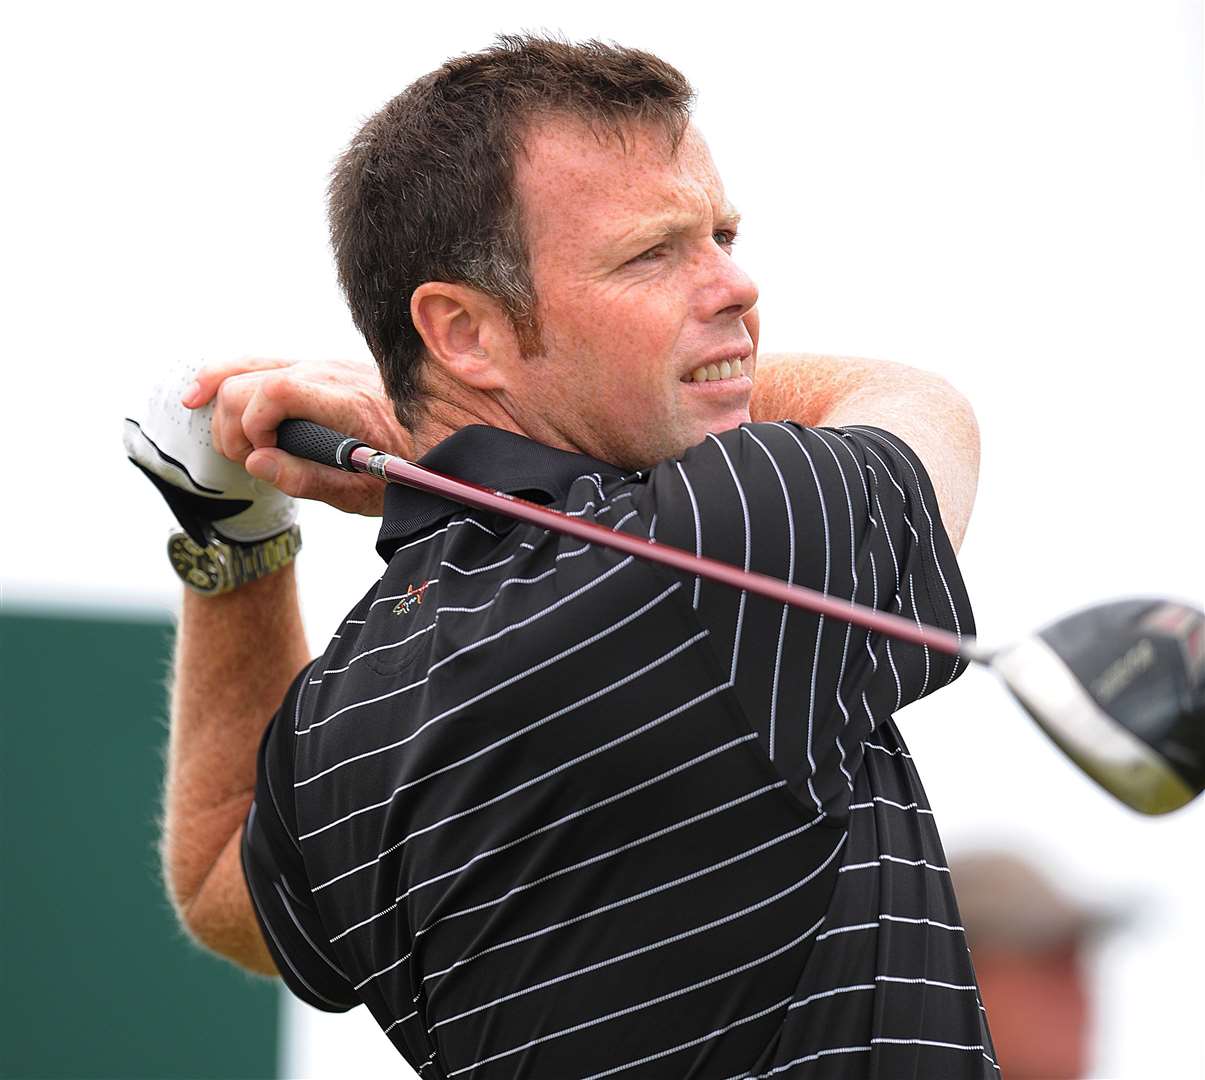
(466, 333)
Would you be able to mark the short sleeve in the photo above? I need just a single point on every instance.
(849, 512)
(275, 872)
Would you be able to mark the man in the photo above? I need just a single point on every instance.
(544, 809)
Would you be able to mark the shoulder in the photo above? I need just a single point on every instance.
(781, 467)
(771, 470)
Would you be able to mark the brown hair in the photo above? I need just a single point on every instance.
(425, 191)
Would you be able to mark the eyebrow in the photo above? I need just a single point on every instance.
(672, 226)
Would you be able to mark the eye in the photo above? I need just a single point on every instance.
(725, 238)
(650, 255)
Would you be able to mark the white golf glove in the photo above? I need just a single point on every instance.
(209, 494)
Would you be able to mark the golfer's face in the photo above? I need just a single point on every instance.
(631, 257)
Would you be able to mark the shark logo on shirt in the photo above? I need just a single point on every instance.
(412, 598)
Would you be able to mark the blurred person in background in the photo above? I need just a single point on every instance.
(1030, 944)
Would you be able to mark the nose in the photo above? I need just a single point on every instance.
(729, 292)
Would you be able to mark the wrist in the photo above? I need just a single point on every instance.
(263, 591)
(222, 566)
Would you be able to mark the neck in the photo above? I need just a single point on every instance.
(445, 410)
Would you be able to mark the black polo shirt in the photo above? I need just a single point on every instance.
(550, 810)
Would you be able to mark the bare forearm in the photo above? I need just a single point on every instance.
(235, 657)
(808, 387)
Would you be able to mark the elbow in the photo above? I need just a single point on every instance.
(180, 885)
(215, 912)
(211, 924)
(196, 923)
(184, 869)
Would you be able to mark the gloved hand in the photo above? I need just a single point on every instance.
(252, 395)
(209, 494)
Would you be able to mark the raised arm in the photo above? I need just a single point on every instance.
(923, 409)
(236, 655)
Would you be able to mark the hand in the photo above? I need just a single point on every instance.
(208, 494)
(253, 395)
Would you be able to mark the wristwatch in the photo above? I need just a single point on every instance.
(222, 566)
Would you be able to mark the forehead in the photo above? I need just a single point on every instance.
(578, 189)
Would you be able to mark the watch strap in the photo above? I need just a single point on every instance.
(249, 562)
(222, 566)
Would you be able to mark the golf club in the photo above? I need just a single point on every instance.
(1119, 687)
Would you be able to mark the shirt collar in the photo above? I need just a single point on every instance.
(493, 458)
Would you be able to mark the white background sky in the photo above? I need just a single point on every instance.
(1009, 194)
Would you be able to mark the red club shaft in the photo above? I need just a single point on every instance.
(401, 471)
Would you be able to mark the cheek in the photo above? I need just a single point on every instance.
(640, 332)
(616, 353)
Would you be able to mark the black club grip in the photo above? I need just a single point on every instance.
(305, 439)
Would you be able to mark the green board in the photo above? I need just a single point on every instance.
(97, 978)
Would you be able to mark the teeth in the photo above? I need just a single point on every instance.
(725, 369)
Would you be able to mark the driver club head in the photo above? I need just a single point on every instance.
(1120, 687)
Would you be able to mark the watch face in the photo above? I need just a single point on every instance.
(197, 566)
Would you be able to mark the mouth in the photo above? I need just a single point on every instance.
(727, 370)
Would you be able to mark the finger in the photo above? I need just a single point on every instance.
(277, 397)
(280, 396)
(211, 376)
(230, 438)
(308, 480)
(250, 406)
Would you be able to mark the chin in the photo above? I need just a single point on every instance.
(692, 438)
(725, 421)
(671, 440)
